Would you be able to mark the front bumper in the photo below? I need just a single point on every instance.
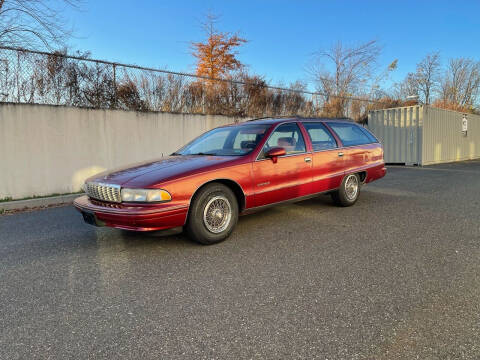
(132, 217)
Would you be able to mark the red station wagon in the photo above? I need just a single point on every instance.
(233, 170)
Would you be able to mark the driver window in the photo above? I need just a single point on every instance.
(287, 136)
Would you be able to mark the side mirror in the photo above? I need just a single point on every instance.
(274, 153)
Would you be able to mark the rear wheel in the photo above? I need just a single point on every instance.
(348, 192)
(213, 214)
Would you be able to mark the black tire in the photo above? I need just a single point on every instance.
(220, 200)
(344, 196)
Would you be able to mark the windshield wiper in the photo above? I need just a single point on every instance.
(201, 153)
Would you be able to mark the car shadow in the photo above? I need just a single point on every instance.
(141, 238)
(178, 236)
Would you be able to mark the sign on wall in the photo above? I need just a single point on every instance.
(464, 125)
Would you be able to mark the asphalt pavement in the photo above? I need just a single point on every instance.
(397, 276)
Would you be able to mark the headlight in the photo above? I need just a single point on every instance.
(145, 195)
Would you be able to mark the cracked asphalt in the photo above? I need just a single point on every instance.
(397, 276)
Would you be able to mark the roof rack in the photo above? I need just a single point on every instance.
(277, 117)
(305, 118)
(339, 118)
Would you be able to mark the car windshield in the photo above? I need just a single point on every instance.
(226, 141)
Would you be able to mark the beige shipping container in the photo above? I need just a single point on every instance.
(424, 135)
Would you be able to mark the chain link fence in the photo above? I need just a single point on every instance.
(37, 77)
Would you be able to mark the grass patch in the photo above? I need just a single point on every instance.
(9, 198)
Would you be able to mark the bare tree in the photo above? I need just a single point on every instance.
(406, 88)
(427, 76)
(34, 23)
(344, 71)
(461, 82)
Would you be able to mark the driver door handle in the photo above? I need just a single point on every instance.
(340, 154)
(308, 159)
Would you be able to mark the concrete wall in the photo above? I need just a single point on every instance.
(53, 149)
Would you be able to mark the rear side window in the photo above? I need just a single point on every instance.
(320, 137)
(351, 134)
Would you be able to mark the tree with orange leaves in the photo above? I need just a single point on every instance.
(216, 56)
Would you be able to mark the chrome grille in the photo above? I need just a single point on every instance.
(104, 192)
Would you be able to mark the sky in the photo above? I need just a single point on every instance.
(282, 35)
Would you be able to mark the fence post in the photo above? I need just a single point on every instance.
(314, 105)
(114, 86)
(18, 76)
(265, 109)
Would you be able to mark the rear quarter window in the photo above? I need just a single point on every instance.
(369, 134)
(352, 134)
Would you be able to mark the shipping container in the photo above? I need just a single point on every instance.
(424, 135)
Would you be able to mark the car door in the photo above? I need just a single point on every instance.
(355, 145)
(290, 176)
(328, 162)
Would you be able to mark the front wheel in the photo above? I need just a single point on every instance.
(213, 214)
(348, 192)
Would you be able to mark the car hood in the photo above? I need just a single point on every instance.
(167, 168)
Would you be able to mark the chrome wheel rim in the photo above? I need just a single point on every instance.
(351, 187)
(217, 214)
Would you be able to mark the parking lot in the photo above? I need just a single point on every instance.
(397, 276)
